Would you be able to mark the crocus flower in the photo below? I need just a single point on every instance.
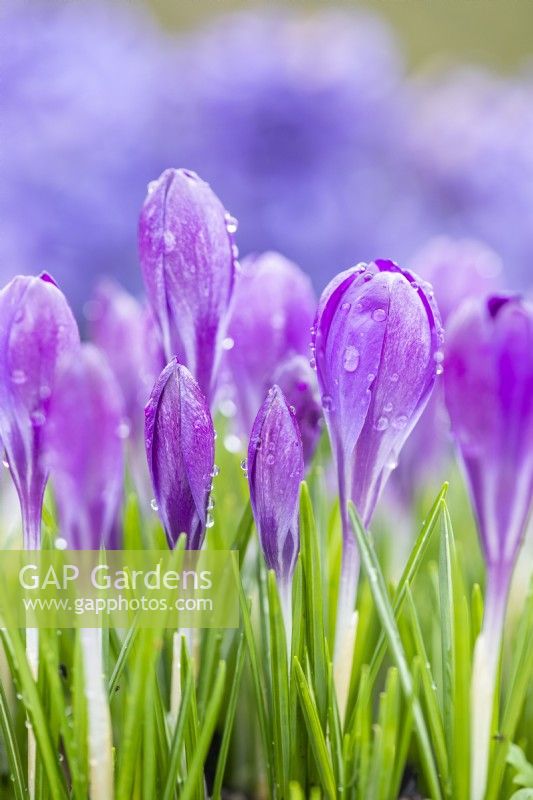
(188, 259)
(489, 393)
(297, 381)
(125, 330)
(275, 470)
(84, 448)
(180, 447)
(37, 330)
(377, 340)
(456, 269)
(273, 310)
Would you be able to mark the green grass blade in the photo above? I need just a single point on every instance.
(229, 718)
(12, 748)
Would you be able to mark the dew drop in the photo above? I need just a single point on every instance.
(387, 408)
(231, 224)
(394, 377)
(351, 358)
(439, 356)
(5, 463)
(379, 315)
(312, 363)
(292, 409)
(169, 240)
(244, 465)
(153, 504)
(38, 418)
(210, 520)
(382, 424)
(215, 471)
(399, 422)
(346, 306)
(123, 430)
(210, 504)
(327, 402)
(228, 343)
(270, 459)
(18, 376)
(440, 369)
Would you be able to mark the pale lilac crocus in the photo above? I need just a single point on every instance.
(272, 313)
(489, 394)
(297, 380)
(377, 348)
(188, 258)
(125, 330)
(37, 331)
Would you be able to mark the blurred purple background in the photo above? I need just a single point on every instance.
(311, 129)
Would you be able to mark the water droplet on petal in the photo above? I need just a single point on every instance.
(312, 363)
(270, 459)
(394, 377)
(439, 356)
(18, 376)
(351, 358)
(346, 306)
(153, 504)
(379, 315)
(244, 464)
(327, 402)
(169, 240)
(382, 424)
(228, 343)
(37, 418)
(387, 408)
(215, 471)
(231, 224)
(5, 463)
(399, 422)
(440, 369)
(210, 520)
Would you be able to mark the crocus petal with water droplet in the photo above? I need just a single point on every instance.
(489, 394)
(273, 310)
(187, 257)
(377, 334)
(37, 330)
(84, 450)
(298, 383)
(275, 471)
(180, 447)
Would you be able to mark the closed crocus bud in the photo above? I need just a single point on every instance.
(377, 339)
(489, 394)
(275, 470)
(37, 330)
(84, 450)
(188, 258)
(180, 448)
(126, 332)
(298, 383)
(273, 310)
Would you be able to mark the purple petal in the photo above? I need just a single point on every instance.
(489, 395)
(377, 339)
(180, 450)
(275, 471)
(188, 263)
(127, 334)
(84, 450)
(37, 331)
(298, 383)
(273, 310)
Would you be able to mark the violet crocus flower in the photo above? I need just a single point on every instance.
(37, 330)
(83, 450)
(297, 381)
(489, 393)
(273, 310)
(275, 468)
(180, 448)
(457, 269)
(188, 260)
(377, 340)
(125, 330)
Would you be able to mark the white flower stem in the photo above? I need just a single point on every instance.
(32, 655)
(342, 669)
(100, 741)
(485, 665)
(175, 680)
(348, 582)
(285, 598)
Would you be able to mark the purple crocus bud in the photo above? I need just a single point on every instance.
(37, 330)
(377, 339)
(188, 258)
(84, 450)
(298, 383)
(489, 393)
(127, 334)
(273, 310)
(275, 470)
(180, 447)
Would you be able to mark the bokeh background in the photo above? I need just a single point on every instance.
(335, 133)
